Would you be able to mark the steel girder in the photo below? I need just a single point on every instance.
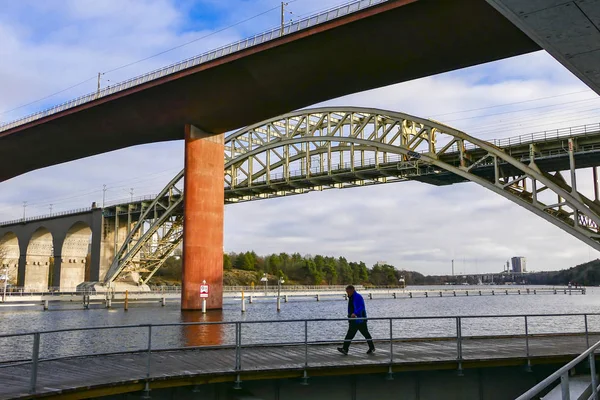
(157, 232)
(323, 148)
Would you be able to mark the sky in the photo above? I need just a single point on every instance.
(49, 48)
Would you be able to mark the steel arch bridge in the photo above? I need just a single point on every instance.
(339, 147)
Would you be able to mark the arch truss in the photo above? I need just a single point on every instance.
(326, 148)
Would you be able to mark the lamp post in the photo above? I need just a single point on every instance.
(265, 280)
(279, 282)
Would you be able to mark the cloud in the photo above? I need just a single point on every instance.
(408, 224)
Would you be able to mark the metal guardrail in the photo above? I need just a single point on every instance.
(125, 201)
(563, 375)
(38, 217)
(240, 45)
(240, 344)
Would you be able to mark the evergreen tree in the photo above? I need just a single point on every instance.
(227, 264)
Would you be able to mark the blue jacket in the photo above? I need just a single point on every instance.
(359, 307)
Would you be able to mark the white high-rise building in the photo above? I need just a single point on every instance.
(518, 264)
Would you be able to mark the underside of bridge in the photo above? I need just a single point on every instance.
(395, 41)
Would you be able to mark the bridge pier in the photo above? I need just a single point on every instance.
(203, 219)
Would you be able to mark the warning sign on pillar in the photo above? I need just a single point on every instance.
(204, 290)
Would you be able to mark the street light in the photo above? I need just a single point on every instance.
(402, 282)
(279, 282)
(265, 280)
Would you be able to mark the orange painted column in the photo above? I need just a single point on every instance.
(203, 219)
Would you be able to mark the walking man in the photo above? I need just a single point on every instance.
(357, 311)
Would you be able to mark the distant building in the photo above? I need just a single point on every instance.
(518, 264)
(381, 263)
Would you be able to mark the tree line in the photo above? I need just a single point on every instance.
(305, 270)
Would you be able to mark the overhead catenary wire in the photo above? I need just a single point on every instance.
(522, 110)
(143, 59)
(550, 117)
(89, 192)
(510, 104)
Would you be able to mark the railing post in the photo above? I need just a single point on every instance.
(528, 368)
(390, 375)
(564, 386)
(305, 375)
(238, 355)
(35, 354)
(459, 345)
(587, 337)
(592, 361)
(149, 350)
(146, 392)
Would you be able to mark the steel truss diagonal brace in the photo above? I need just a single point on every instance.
(156, 214)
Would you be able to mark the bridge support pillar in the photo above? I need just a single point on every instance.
(203, 219)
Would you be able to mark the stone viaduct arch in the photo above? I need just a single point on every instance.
(38, 260)
(65, 239)
(9, 256)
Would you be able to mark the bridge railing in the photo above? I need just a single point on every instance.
(241, 339)
(53, 215)
(255, 40)
(536, 137)
(126, 201)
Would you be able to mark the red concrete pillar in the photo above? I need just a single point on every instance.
(203, 219)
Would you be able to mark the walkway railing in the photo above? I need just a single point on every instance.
(243, 44)
(243, 336)
(563, 375)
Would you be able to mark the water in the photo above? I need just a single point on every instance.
(68, 316)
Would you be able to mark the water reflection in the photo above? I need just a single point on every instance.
(202, 335)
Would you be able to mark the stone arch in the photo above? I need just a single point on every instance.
(75, 257)
(39, 257)
(9, 256)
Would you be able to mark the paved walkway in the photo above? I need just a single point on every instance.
(84, 373)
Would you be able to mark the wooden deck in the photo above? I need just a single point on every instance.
(103, 375)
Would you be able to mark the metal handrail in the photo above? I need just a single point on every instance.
(38, 217)
(271, 34)
(563, 374)
(240, 346)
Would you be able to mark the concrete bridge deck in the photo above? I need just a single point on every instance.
(84, 377)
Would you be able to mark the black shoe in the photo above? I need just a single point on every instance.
(371, 351)
(343, 351)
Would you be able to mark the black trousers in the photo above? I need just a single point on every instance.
(355, 327)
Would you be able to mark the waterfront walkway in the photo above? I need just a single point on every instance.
(152, 369)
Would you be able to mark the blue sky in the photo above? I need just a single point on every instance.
(55, 44)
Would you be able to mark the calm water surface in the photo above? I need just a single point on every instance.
(66, 316)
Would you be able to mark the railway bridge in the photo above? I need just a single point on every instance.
(310, 150)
